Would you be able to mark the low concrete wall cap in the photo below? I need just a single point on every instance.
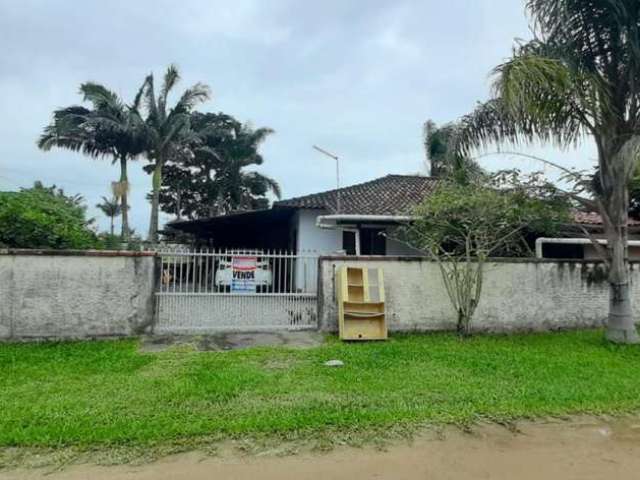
(74, 253)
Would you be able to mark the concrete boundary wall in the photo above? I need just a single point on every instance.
(518, 295)
(75, 294)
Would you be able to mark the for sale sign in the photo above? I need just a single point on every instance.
(244, 274)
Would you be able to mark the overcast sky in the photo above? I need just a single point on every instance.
(356, 77)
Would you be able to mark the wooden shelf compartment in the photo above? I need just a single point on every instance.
(359, 315)
(355, 275)
(361, 307)
(364, 329)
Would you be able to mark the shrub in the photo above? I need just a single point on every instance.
(44, 217)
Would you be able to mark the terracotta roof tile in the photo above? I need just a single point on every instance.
(593, 218)
(389, 195)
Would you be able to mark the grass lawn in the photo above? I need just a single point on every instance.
(93, 394)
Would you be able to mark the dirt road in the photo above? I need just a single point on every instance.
(581, 449)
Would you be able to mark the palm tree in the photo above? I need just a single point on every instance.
(578, 77)
(111, 128)
(443, 160)
(168, 129)
(238, 189)
(111, 208)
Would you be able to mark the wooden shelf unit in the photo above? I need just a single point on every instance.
(361, 309)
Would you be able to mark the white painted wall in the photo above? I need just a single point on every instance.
(312, 238)
(517, 295)
(312, 241)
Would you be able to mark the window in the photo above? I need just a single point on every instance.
(349, 242)
(372, 242)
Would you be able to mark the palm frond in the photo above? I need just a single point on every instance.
(191, 97)
(150, 99)
(603, 38)
(268, 182)
(171, 78)
(535, 98)
(110, 207)
(138, 99)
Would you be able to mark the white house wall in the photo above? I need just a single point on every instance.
(312, 238)
(312, 241)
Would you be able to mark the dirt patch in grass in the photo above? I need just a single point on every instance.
(231, 341)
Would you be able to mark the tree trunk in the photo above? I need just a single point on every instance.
(111, 229)
(614, 173)
(124, 205)
(155, 202)
(620, 325)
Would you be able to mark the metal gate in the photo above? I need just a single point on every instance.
(235, 290)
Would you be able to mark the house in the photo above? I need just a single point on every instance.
(361, 219)
(355, 220)
(576, 244)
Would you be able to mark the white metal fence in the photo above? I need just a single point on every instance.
(235, 290)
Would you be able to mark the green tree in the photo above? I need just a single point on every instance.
(579, 76)
(461, 226)
(443, 159)
(110, 128)
(239, 189)
(44, 217)
(111, 208)
(210, 178)
(169, 130)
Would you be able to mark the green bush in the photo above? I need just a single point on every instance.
(44, 217)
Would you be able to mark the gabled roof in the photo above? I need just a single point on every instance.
(389, 195)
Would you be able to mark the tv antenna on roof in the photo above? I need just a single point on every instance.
(335, 157)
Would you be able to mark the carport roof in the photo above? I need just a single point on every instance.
(256, 218)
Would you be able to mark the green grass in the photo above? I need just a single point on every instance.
(93, 394)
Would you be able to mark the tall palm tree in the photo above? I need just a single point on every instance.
(578, 77)
(111, 208)
(168, 129)
(110, 128)
(443, 160)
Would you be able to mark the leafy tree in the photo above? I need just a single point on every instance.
(239, 189)
(111, 209)
(578, 77)
(168, 129)
(209, 178)
(110, 128)
(44, 217)
(461, 226)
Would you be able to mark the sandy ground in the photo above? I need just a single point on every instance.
(581, 449)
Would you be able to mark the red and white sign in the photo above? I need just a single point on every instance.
(244, 274)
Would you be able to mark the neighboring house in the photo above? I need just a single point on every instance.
(576, 244)
(355, 220)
